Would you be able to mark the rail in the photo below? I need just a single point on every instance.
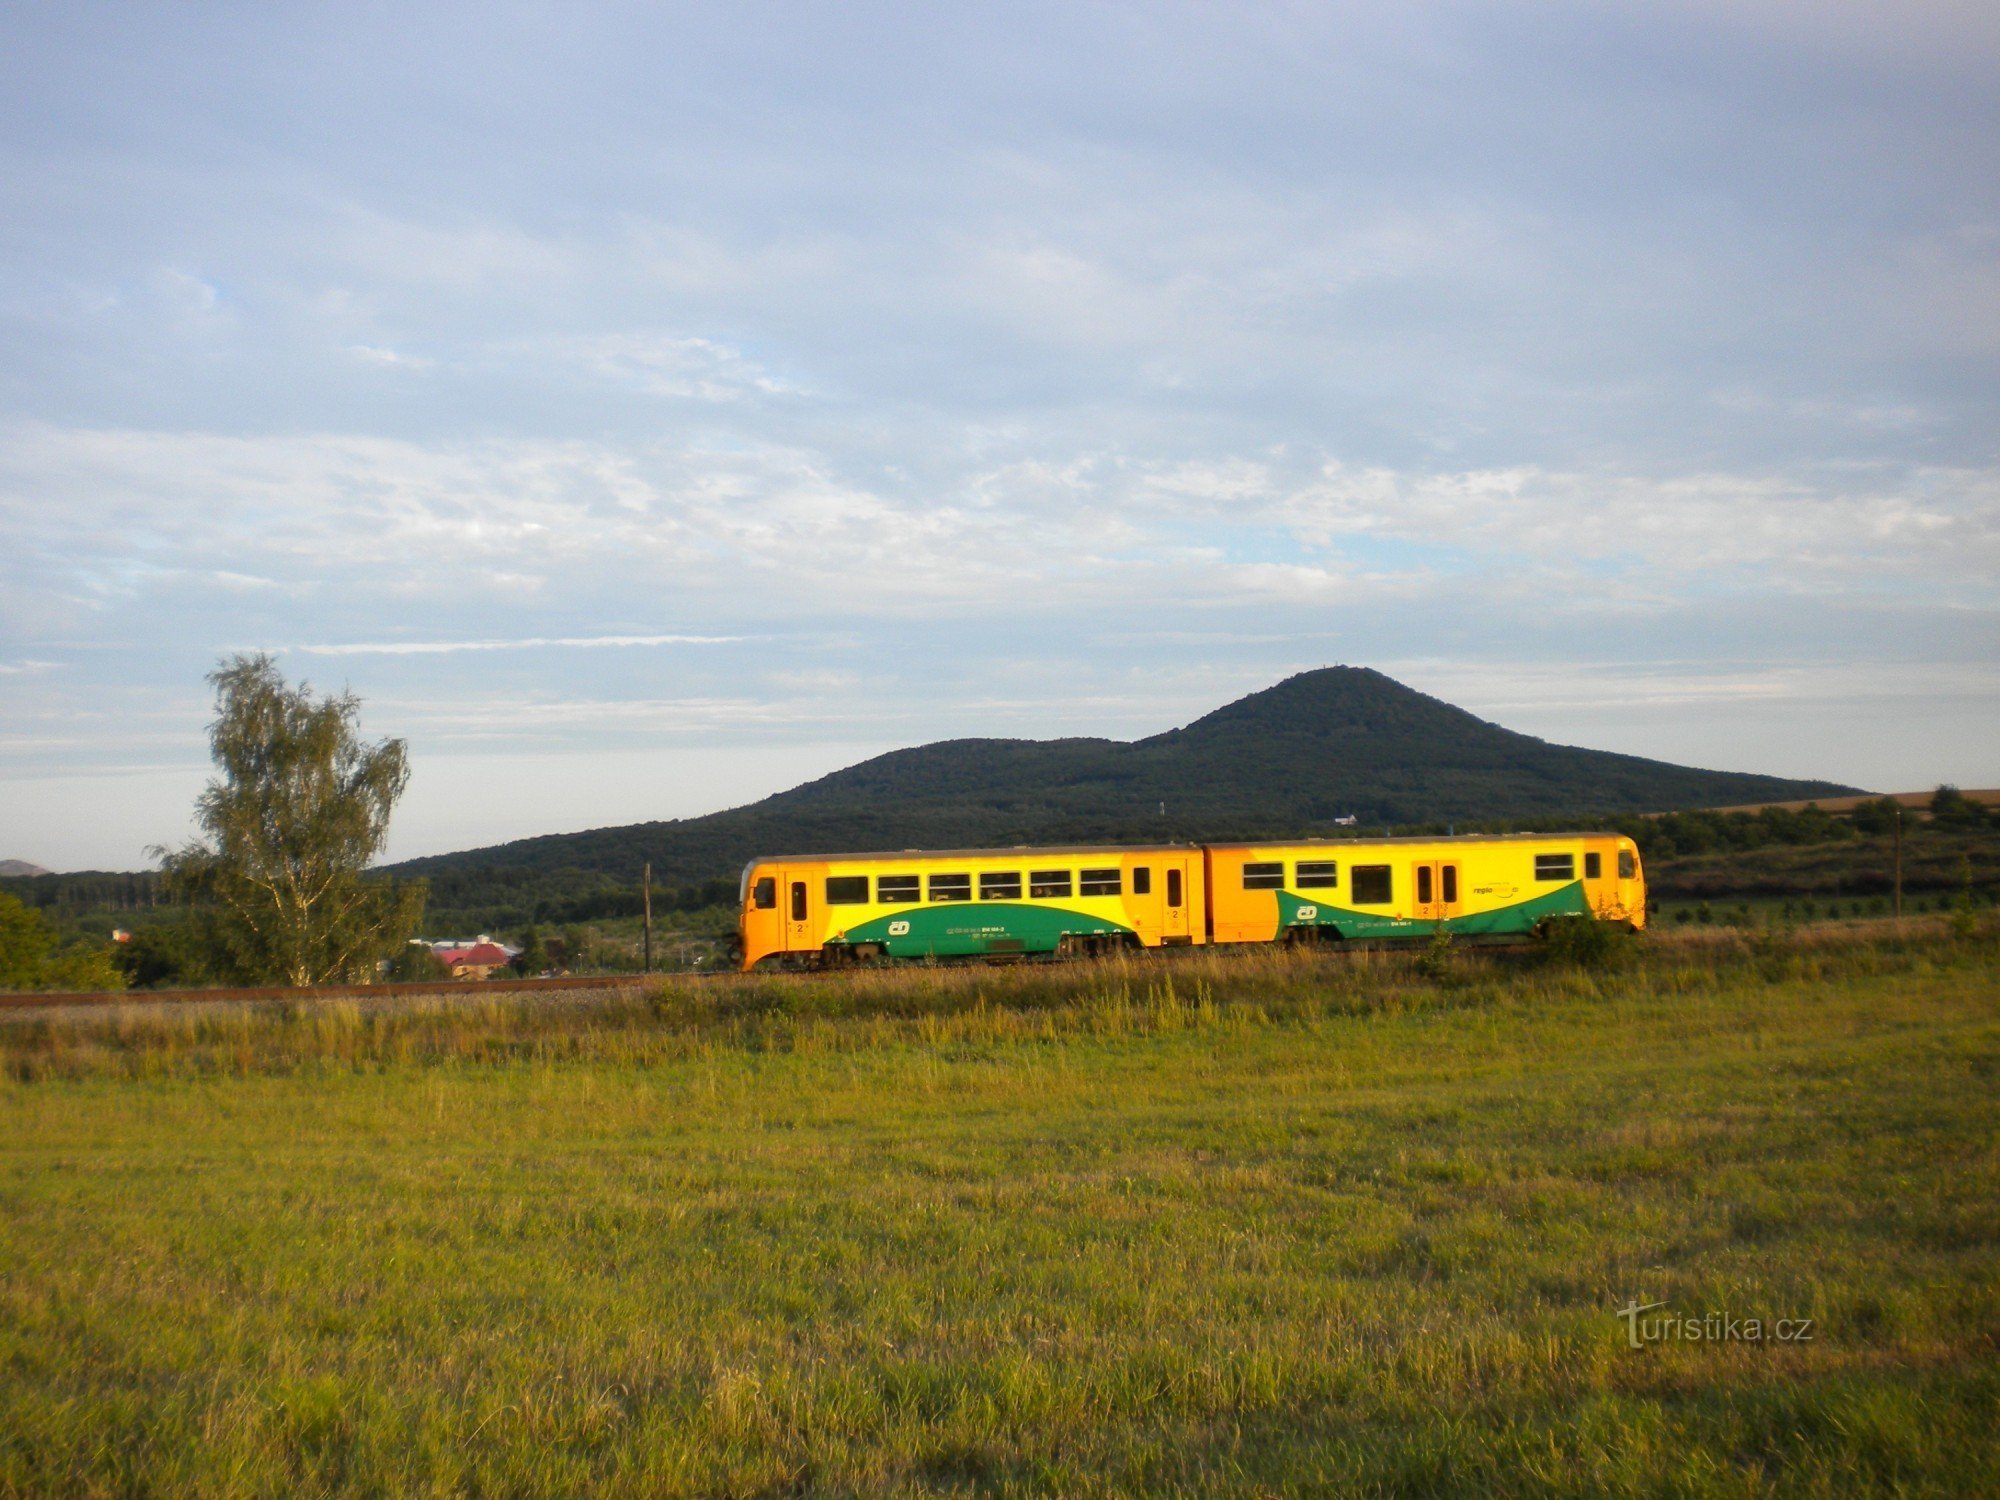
(40, 999)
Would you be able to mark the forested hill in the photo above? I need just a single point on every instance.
(1340, 741)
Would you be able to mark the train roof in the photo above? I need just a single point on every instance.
(1418, 838)
(1017, 851)
(1013, 851)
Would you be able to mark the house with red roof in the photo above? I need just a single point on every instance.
(473, 960)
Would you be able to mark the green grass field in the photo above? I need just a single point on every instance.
(1237, 1225)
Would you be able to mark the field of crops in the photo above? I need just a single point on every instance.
(1238, 1224)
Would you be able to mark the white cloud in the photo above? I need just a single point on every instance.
(380, 355)
(771, 528)
(525, 643)
(660, 365)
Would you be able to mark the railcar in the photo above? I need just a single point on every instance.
(1477, 885)
(968, 903)
(830, 909)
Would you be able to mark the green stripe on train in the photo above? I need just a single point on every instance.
(966, 928)
(1523, 916)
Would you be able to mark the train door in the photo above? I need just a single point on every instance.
(1437, 890)
(1177, 926)
(795, 896)
(763, 930)
(1144, 902)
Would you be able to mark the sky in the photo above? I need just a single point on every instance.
(646, 408)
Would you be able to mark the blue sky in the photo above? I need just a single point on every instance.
(646, 408)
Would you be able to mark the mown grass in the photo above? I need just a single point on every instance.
(1239, 1224)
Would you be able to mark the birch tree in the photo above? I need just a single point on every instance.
(298, 810)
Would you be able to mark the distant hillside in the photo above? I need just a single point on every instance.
(20, 867)
(1341, 741)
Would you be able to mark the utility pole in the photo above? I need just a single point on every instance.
(647, 893)
(1899, 861)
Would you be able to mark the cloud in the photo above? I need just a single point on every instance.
(527, 643)
(376, 354)
(734, 531)
(660, 365)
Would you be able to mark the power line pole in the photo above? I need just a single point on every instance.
(1899, 861)
(646, 889)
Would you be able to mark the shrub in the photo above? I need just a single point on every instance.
(1584, 943)
(30, 958)
(1438, 961)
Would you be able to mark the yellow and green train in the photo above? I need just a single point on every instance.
(1078, 899)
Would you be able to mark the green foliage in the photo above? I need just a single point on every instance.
(534, 955)
(87, 891)
(170, 954)
(508, 898)
(1933, 859)
(25, 944)
(415, 963)
(1585, 943)
(33, 958)
(299, 809)
(1951, 808)
(1878, 816)
(1439, 959)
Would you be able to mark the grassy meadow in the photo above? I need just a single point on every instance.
(1233, 1224)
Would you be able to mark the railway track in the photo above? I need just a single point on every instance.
(468, 988)
(42, 1000)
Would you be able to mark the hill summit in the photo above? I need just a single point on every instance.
(1339, 742)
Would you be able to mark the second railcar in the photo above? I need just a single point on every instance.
(1477, 885)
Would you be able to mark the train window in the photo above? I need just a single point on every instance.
(1315, 874)
(1142, 880)
(1423, 885)
(1370, 885)
(765, 893)
(1555, 867)
(1048, 883)
(1173, 887)
(847, 890)
(898, 890)
(1264, 877)
(1100, 883)
(1449, 876)
(1593, 865)
(1628, 865)
(798, 900)
(997, 885)
(951, 887)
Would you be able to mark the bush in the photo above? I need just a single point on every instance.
(1439, 962)
(170, 954)
(415, 963)
(1585, 943)
(30, 959)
